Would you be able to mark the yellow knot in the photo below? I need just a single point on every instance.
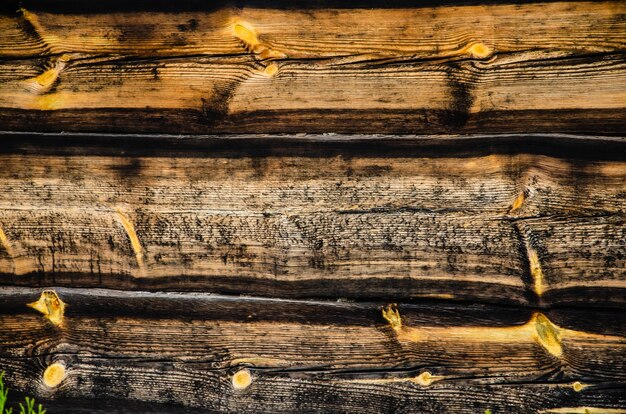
(54, 374)
(246, 33)
(479, 50)
(426, 378)
(42, 83)
(51, 306)
(391, 314)
(548, 335)
(242, 379)
(271, 70)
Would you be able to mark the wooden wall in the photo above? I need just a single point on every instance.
(313, 206)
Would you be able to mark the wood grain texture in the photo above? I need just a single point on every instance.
(413, 207)
(476, 68)
(417, 32)
(311, 356)
(348, 225)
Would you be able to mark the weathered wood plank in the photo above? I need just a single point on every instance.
(121, 345)
(235, 95)
(301, 33)
(298, 226)
(461, 69)
(285, 393)
(461, 228)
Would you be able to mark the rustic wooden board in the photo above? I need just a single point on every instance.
(300, 32)
(184, 349)
(395, 253)
(474, 68)
(516, 227)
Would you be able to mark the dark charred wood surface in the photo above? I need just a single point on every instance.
(186, 350)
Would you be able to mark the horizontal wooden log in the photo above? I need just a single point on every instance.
(506, 228)
(214, 95)
(263, 355)
(417, 32)
(462, 69)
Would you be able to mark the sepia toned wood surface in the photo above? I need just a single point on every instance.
(530, 67)
(269, 206)
(511, 228)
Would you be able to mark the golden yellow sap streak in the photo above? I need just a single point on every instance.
(32, 19)
(434, 295)
(518, 202)
(424, 379)
(535, 270)
(132, 236)
(50, 101)
(49, 40)
(534, 264)
(258, 361)
(19, 267)
(4, 240)
(52, 307)
(538, 329)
